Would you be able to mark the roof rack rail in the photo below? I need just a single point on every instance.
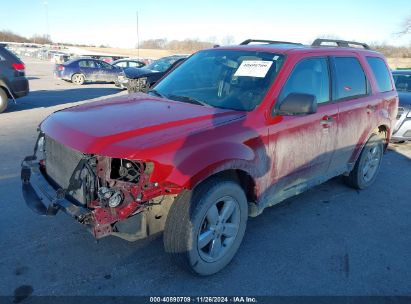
(248, 41)
(340, 43)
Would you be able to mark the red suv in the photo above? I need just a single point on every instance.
(228, 133)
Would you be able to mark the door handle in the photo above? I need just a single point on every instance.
(326, 121)
(370, 109)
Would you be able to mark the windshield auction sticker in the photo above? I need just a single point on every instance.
(253, 68)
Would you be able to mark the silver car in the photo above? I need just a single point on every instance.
(402, 129)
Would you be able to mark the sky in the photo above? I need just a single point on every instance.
(113, 23)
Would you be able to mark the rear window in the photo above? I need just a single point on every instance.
(350, 78)
(5, 54)
(381, 73)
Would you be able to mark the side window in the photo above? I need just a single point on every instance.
(86, 64)
(134, 64)
(309, 76)
(121, 64)
(403, 82)
(104, 65)
(349, 78)
(381, 73)
(83, 64)
(91, 64)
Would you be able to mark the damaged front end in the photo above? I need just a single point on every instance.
(111, 196)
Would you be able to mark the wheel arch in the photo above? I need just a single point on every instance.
(5, 88)
(243, 178)
(384, 132)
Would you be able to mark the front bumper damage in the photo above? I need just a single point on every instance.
(45, 200)
(133, 220)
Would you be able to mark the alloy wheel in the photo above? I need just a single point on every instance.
(218, 229)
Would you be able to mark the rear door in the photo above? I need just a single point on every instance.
(301, 147)
(88, 69)
(352, 92)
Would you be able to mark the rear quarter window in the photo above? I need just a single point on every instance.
(7, 55)
(381, 73)
(350, 80)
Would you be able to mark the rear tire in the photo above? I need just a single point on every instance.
(367, 165)
(3, 100)
(205, 227)
(78, 79)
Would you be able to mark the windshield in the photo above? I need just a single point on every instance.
(161, 65)
(229, 79)
(403, 82)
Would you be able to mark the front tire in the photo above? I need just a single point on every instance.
(205, 227)
(3, 100)
(368, 164)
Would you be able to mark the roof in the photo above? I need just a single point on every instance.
(294, 48)
(291, 47)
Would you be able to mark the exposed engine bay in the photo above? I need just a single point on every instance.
(114, 190)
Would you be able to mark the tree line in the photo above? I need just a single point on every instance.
(9, 36)
(187, 45)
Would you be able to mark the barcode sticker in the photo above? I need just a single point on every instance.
(253, 68)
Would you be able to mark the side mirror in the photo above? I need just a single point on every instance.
(297, 104)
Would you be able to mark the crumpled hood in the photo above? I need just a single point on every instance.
(135, 121)
(134, 73)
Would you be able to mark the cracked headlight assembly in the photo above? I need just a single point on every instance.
(129, 171)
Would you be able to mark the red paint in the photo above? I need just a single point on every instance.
(187, 143)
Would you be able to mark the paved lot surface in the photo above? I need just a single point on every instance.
(331, 240)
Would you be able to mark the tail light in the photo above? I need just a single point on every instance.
(18, 69)
(18, 66)
(60, 68)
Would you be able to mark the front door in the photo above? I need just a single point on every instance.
(301, 147)
(106, 72)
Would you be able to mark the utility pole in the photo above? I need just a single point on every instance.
(47, 20)
(138, 37)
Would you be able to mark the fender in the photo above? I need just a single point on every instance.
(386, 122)
(209, 160)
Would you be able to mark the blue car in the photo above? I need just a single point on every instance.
(79, 71)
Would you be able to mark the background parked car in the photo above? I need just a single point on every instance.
(60, 58)
(81, 70)
(402, 129)
(141, 79)
(128, 63)
(13, 83)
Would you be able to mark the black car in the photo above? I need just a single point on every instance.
(13, 81)
(141, 79)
